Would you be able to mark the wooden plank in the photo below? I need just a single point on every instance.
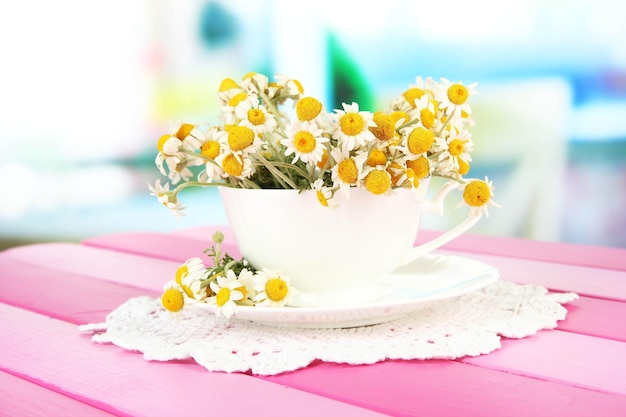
(602, 283)
(596, 317)
(550, 355)
(63, 261)
(21, 398)
(449, 388)
(60, 294)
(59, 358)
(510, 247)
(155, 245)
(110, 265)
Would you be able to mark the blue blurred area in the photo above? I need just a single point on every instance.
(85, 95)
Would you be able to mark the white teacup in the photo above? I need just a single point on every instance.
(333, 255)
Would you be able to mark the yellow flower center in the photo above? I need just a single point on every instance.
(477, 193)
(464, 166)
(347, 171)
(397, 115)
(420, 167)
(377, 182)
(321, 198)
(256, 116)
(376, 157)
(304, 142)
(352, 124)
(385, 126)
(249, 75)
(457, 94)
(161, 142)
(242, 290)
(236, 99)
(180, 274)
(232, 166)
(410, 174)
(172, 300)
(299, 86)
(276, 289)
(427, 117)
(456, 147)
(308, 108)
(210, 149)
(227, 84)
(321, 164)
(420, 140)
(413, 94)
(188, 291)
(184, 131)
(240, 137)
(222, 297)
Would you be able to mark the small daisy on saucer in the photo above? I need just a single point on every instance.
(273, 289)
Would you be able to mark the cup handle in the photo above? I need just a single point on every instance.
(436, 206)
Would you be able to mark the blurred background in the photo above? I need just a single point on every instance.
(87, 88)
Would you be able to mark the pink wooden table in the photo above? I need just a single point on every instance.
(48, 368)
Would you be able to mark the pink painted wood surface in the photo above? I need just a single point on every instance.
(109, 265)
(551, 355)
(133, 270)
(596, 317)
(73, 366)
(603, 283)
(442, 386)
(450, 388)
(21, 398)
(54, 355)
(565, 253)
(54, 292)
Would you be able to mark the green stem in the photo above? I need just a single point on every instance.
(279, 175)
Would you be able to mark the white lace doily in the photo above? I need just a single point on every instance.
(468, 325)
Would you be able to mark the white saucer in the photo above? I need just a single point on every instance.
(431, 277)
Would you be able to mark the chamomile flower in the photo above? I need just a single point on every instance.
(458, 144)
(256, 117)
(453, 97)
(179, 170)
(377, 180)
(273, 288)
(228, 89)
(227, 293)
(477, 194)
(235, 165)
(166, 197)
(416, 141)
(172, 299)
(352, 127)
(348, 170)
(239, 100)
(255, 83)
(425, 112)
(246, 285)
(190, 135)
(309, 109)
(323, 193)
(291, 86)
(306, 141)
(189, 278)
